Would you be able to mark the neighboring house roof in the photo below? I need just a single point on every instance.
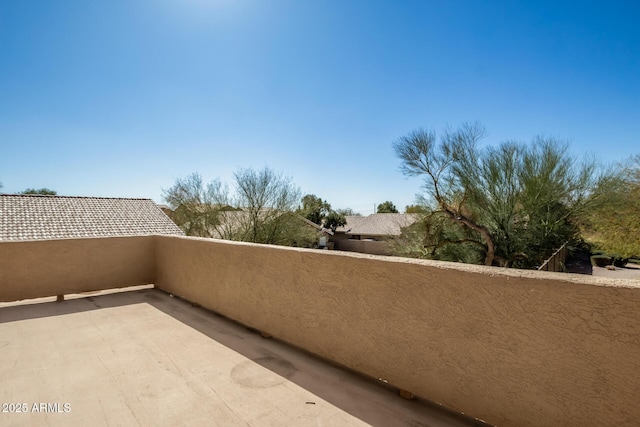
(352, 221)
(35, 217)
(231, 221)
(382, 224)
(314, 225)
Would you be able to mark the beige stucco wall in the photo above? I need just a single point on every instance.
(519, 348)
(33, 269)
(510, 347)
(374, 247)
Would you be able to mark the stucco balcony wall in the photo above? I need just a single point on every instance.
(42, 268)
(521, 348)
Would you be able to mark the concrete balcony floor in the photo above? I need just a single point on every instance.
(144, 358)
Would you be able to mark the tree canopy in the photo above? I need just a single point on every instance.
(319, 211)
(386, 207)
(414, 209)
(614, 225)
(314, 208)
(510, 204)
(195, 206)
(42, 191)
(264, 196)
(260, 210)
(334, 219)
(348, 212)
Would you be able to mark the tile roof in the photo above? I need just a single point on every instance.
(35, 217)
(382, 224)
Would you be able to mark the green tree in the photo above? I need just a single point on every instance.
(614, 226)
(509, 205)
(414, 209)
(387, 207)
(42, 191)
(334, 219)
(314, 208)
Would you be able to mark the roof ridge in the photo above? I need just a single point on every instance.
(75, 197)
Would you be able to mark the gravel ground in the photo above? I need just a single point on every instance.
(580, 264)
(630, 271)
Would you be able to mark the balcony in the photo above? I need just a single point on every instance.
(346, 332)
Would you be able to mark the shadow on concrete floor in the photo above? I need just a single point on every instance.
(365, 398)
(368, 399)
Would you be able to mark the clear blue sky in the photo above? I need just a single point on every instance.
(121, 97)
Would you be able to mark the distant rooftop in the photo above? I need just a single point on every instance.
(381, 224)
(37, 217)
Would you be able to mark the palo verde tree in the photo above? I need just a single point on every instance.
(415, 209)
(614, 225)
(508, 205)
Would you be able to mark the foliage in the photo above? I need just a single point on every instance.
(264, 196)
(508, 205)
(334, 220)
(196, 208)
(614, 226)
(319, 211)
(261, 210)
(434, 236)
(415, 209)
(387, 207)
(348, 212)
(314, 208)
(42, 191)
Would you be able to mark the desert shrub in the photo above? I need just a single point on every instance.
(604, 259)
(620, 261)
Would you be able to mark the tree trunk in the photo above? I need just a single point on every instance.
(484, 232)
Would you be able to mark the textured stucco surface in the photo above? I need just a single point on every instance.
(33, 269)
(507, 346)
(510, 347)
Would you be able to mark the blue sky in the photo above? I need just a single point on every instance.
(119, 98)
